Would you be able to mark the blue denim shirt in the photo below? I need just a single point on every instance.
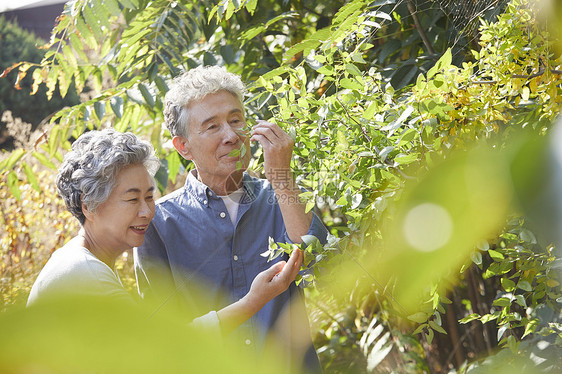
(192, 241)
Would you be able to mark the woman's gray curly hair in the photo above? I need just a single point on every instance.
(89, 171)
(193, 85)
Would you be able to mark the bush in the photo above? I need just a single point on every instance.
(18, 45)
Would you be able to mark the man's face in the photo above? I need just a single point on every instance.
(216, 129)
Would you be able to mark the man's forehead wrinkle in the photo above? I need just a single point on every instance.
(213, 116)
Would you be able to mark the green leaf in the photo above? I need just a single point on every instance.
(400, 120)
(404, 75)
(351, 84)
(501, 331)
(275, 72)
(131, 4)
(476, 258)
(371, 110)
(420, 328)
(429, 336)
(309, 240)
(99, 109)
(502, 301)
(353, 70)
(470, 318)
(44, 160)
(488, 317)
(112, 7)
(443, 63)
(326, 70)
(54, 139)
(419, 317)
(149, 100)
(101, 13)
(174, 164)
(519, 299)
(161, 84)
(437, 328)
(251, 6)
(483, 245)
(356, 200)
(92, 22)
(528, 236)
(497, 256)
(69, 56)
(252, 32)
(342, 201)
(347, 11)
(85, 33)
(530, 327)
(13, 184)
(230, 8)
(407, 136)
(513, 344)
(524, 285)
(508, 284)
(356, 57)
(15, 156)
(31, 177)
(406, 159)
(306, 45)
(116, 104)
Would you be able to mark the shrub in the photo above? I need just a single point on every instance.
(17, 45)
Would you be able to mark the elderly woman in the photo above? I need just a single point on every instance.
(107, 183)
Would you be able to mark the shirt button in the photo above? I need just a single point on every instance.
(223, 214)
(235, 258)
(248, 342)
(205, 202)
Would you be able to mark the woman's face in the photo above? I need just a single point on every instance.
(120, 223)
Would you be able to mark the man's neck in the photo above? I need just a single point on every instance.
(222, 186)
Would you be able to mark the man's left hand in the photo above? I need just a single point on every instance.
(277, 150)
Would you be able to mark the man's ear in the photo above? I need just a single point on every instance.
(181, 144)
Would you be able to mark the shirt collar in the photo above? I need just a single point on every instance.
(203, 193)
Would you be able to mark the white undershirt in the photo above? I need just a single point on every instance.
(232, 202)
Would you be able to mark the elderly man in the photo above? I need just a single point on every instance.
(214, 229)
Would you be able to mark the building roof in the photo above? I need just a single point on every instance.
(11, 5)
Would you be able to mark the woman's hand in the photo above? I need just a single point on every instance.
(273, 281)
(265, 286)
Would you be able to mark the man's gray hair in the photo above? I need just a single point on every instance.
(194, 85)
(89, 171)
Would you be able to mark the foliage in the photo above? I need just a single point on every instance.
(372, 151)
(16, 45)
(529, 286)
(25, 247)
(102, 335)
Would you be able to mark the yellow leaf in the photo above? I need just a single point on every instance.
(533, 84)
(525, 92)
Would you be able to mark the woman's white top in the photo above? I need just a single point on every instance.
(74, 271)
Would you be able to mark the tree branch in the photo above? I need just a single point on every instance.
(421, 31)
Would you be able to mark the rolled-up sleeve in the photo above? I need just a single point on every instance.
(316, 229)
